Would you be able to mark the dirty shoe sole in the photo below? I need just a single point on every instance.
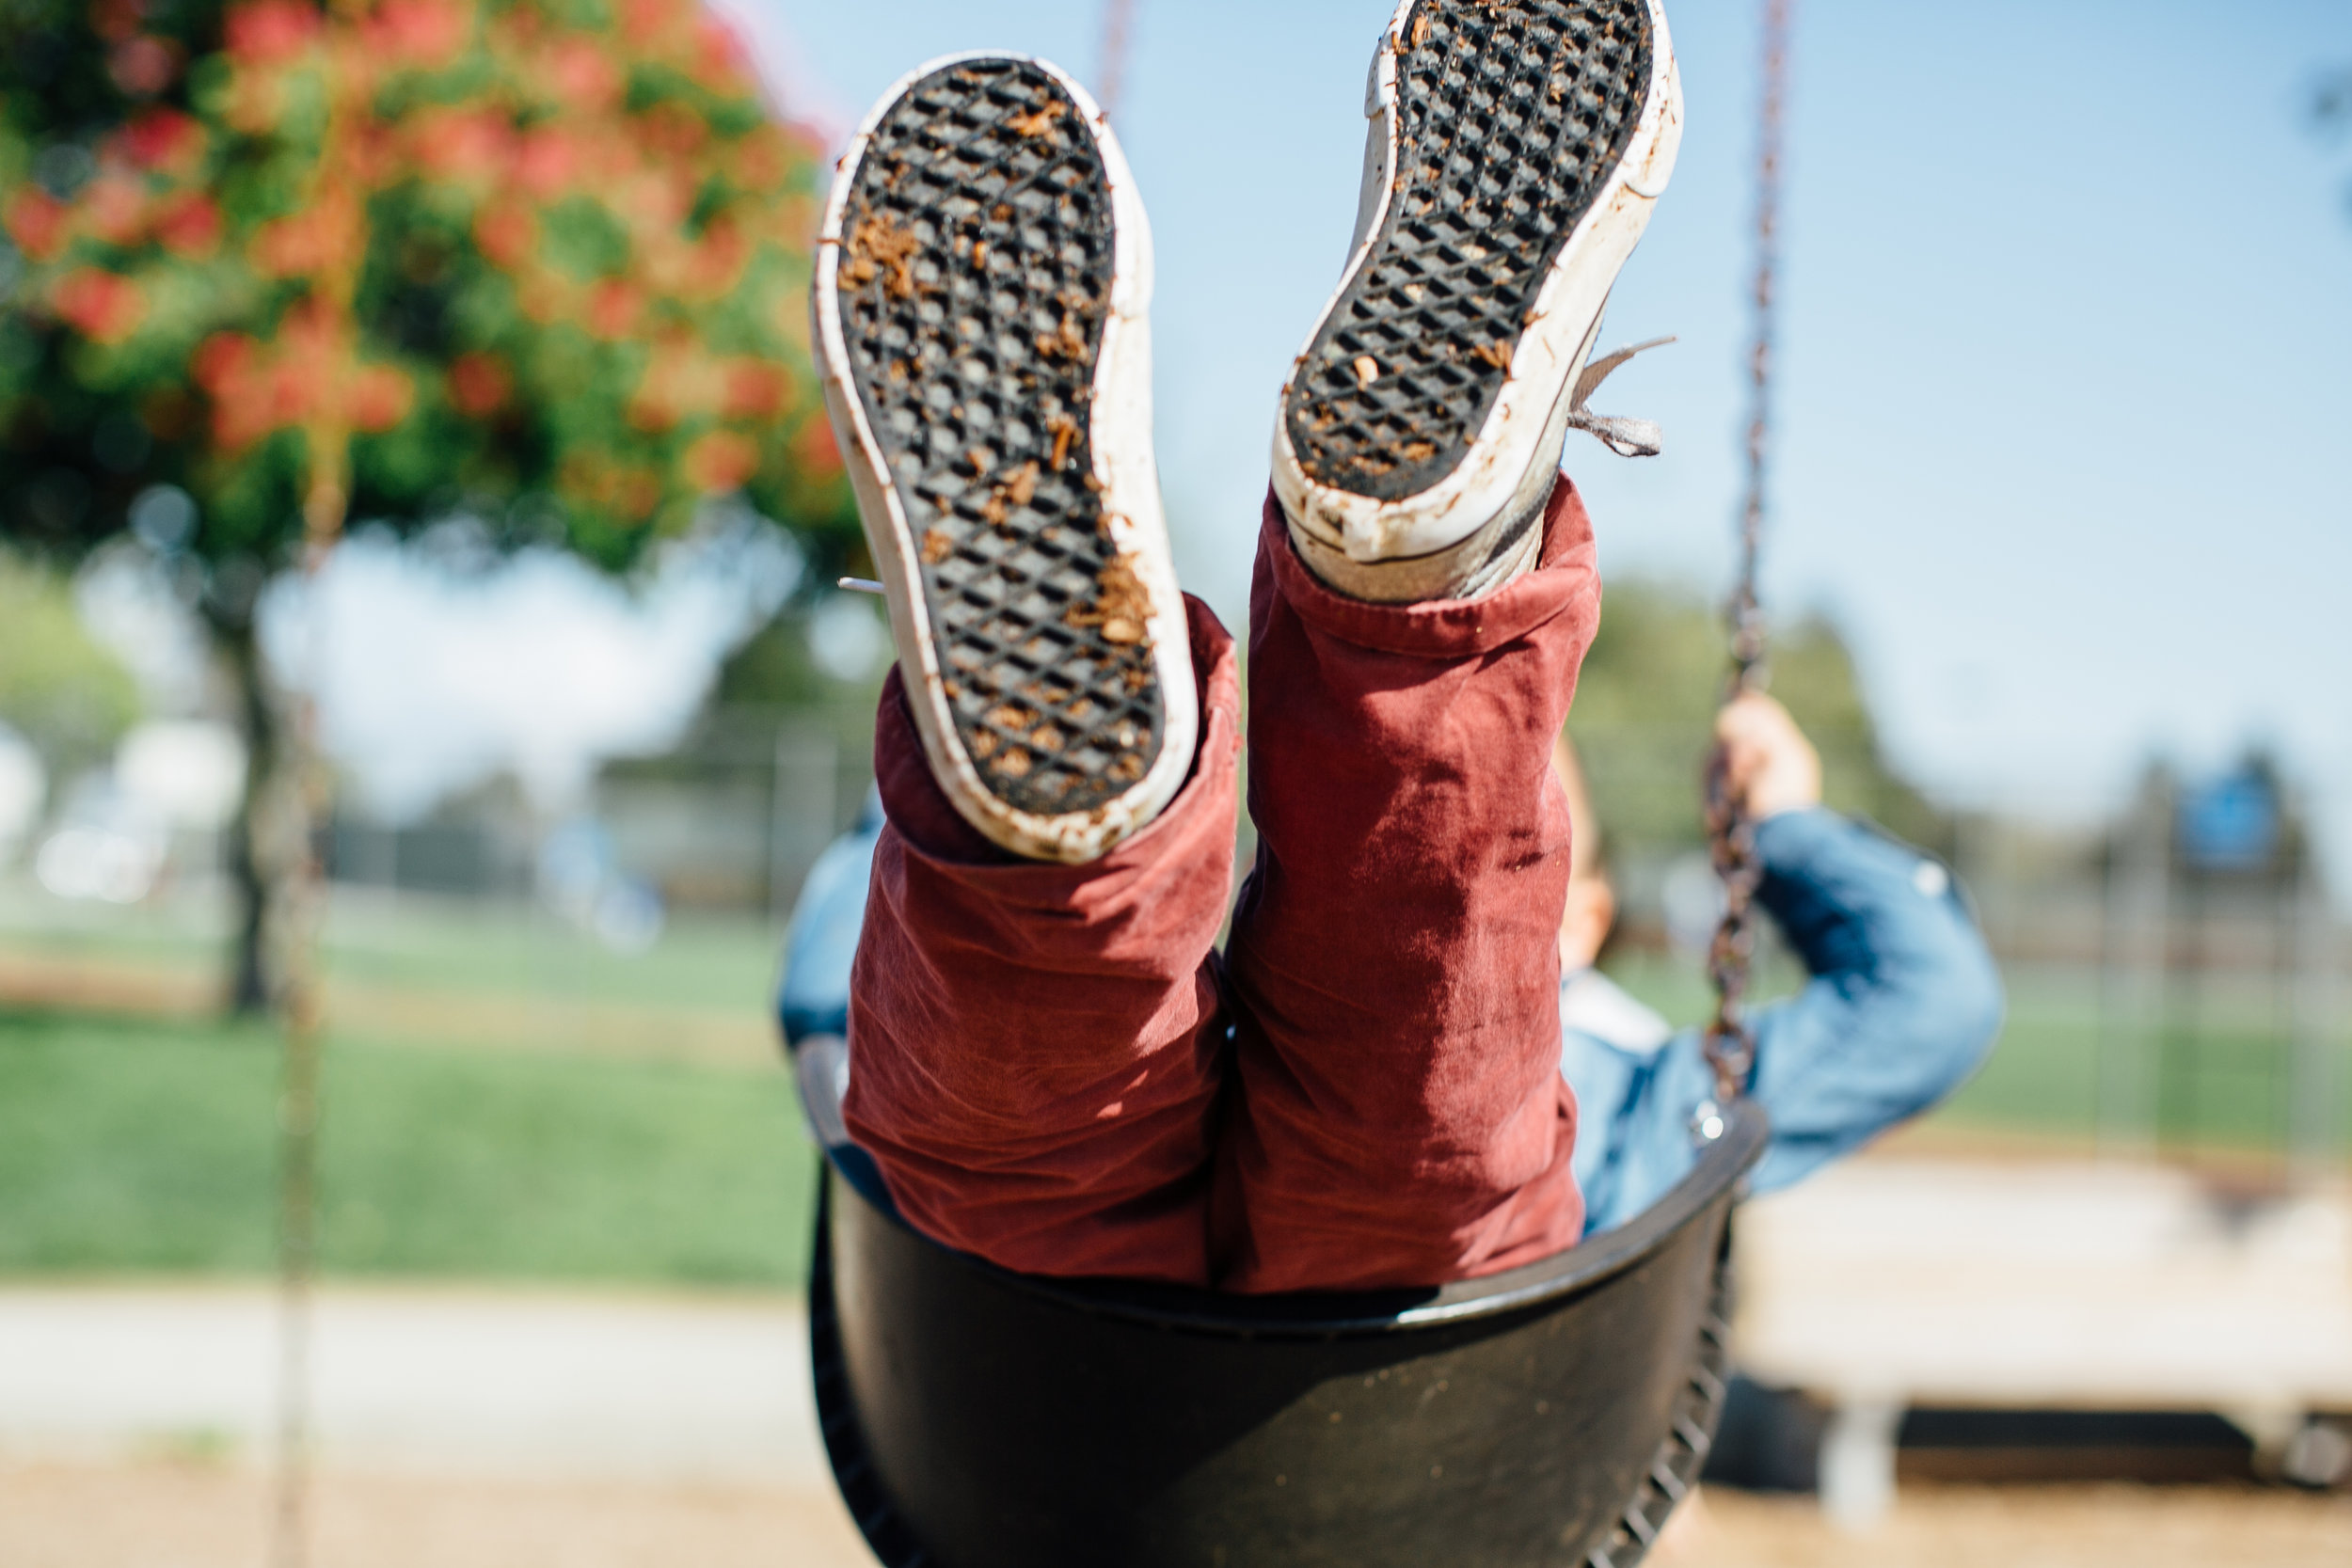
(981, 320)
(1515, 150)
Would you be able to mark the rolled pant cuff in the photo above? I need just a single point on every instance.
(1039, 1047)
(1443, 629)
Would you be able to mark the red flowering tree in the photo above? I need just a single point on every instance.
(539, 262)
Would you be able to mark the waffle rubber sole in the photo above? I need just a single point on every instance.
(1511, 116)
(970, 286)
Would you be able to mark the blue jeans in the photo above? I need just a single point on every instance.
(1903, 1006)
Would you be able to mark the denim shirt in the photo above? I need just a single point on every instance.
(1903, 1006)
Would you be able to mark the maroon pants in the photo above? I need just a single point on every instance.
(1055, 1071)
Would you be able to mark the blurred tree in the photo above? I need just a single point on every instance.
(807, 672)
(1647, 699)
(811, 660)
(541, 263)
(58, 689)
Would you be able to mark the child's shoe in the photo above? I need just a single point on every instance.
(1516, 148)
(980, 322)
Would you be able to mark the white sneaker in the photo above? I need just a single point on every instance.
(1516, 148)
(981, 324)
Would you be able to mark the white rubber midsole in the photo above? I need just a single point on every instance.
(1125, 471)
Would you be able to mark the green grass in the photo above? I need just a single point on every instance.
(702, 962)
(2042, 1078)
(474, 1129)
(142, 1147)
(423, 944)
(2222, 1087)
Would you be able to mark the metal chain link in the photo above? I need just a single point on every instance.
(1731, 838)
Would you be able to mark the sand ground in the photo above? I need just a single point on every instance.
(465, 1429)
(180, 1513)
(177, 1514)
(2024, 1527)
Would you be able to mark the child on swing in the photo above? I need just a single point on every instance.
(1382, 1079)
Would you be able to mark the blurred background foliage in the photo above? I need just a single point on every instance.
(540, 266)
(1645, 704)
(540, 261)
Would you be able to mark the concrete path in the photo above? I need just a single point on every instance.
(527, 1385)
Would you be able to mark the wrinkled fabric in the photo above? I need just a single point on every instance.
(1061, 1078)
(1039, 1047)
(1394, 960)
(1049, 1071)
(1903, 1005)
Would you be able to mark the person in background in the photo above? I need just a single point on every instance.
(1901, 1006)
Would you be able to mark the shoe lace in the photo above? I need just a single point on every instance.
(1627, 438)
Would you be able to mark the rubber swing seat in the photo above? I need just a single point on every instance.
(1551, 1416)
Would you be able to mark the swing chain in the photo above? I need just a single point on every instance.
(1731, 837)
(1731, 842)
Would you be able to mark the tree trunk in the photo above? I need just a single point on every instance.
(252, 985)
(281, 894)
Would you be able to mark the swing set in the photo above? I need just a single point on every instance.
(1556, 1414)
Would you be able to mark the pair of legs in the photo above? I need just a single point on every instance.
(1054, 1068)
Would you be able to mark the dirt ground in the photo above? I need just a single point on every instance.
(177, 1514)
(168, 1514)
(2023, 1527)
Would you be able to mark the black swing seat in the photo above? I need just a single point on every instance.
(1554, 1414)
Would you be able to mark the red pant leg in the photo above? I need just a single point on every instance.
(1395, 965)
(1036, 1049)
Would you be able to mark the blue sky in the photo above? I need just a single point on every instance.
(2067, 438)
